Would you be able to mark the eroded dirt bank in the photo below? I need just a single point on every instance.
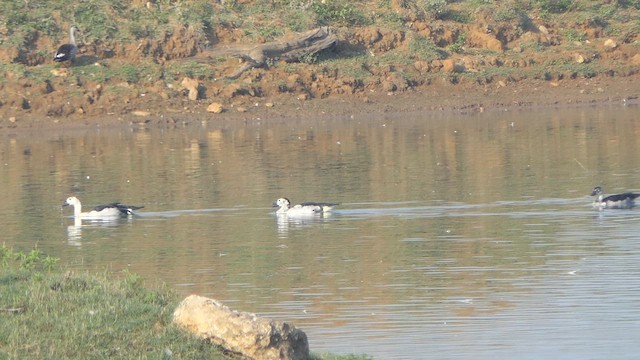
(150, 111)
(398, 60)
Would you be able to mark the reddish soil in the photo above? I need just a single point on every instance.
(74, 99)
(434, 98)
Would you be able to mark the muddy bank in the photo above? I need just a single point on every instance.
(150, 111)
(397, 61)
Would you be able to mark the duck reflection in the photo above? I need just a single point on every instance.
(74, 232)
(286, 222)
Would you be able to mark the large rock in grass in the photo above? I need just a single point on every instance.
(241, 333)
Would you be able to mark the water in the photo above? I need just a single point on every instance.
(459, 236)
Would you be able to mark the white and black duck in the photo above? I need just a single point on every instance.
(67, 52)
(615, 201)
(306, 208)
(108, 211)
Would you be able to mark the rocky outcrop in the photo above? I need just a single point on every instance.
(241, 333)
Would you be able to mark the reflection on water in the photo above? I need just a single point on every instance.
(458, 237)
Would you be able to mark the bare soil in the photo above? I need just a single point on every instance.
(155, 111)
(70, 97)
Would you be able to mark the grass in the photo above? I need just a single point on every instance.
(47, 312)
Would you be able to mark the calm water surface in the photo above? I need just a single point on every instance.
(459, 236)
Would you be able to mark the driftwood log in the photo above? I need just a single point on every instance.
(293, 48)
(243, 334)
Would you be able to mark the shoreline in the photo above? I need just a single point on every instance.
(440, 99)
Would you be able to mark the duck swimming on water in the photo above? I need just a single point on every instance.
(306, 208)
(67, 52)
(616, 201)
(108, 211)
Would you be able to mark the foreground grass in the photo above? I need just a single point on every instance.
(46, 312)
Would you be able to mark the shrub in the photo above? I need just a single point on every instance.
(338, 12)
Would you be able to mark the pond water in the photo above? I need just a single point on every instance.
(459, 236)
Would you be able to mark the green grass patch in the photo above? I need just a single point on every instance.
(335, 12)
(425, 49)
(47, 312)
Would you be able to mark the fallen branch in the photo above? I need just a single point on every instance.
(18, 309)
(294, 49)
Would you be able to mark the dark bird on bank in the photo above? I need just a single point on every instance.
(67, 52)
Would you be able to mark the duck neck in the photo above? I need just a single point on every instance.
(77, 210)
(72, 36)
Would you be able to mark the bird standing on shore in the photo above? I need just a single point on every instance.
(67, 52)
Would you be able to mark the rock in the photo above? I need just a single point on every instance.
(191, 85)
(239, 332)
(60, 72)
(543, 29)
(215, 108)
(610, 44)
(578, 58)
(395, 82)
(389, 86)
(423, 67)
(450, 66)
(140, 113)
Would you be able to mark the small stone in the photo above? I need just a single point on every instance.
(188, 83)
(191, 85)
(193, 94)
(611, 44)
(303, 97)
(578, 58)
(241, 109)
(268, 104)
(215, 108)
(60, 72)
(422, 66)
(389, 86)
(12, 119)
(140, 113)
(450, 66)
(543, 29)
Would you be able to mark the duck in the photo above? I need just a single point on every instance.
(306, 208)
(616, 201)
(108, 211)
(67, 52)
